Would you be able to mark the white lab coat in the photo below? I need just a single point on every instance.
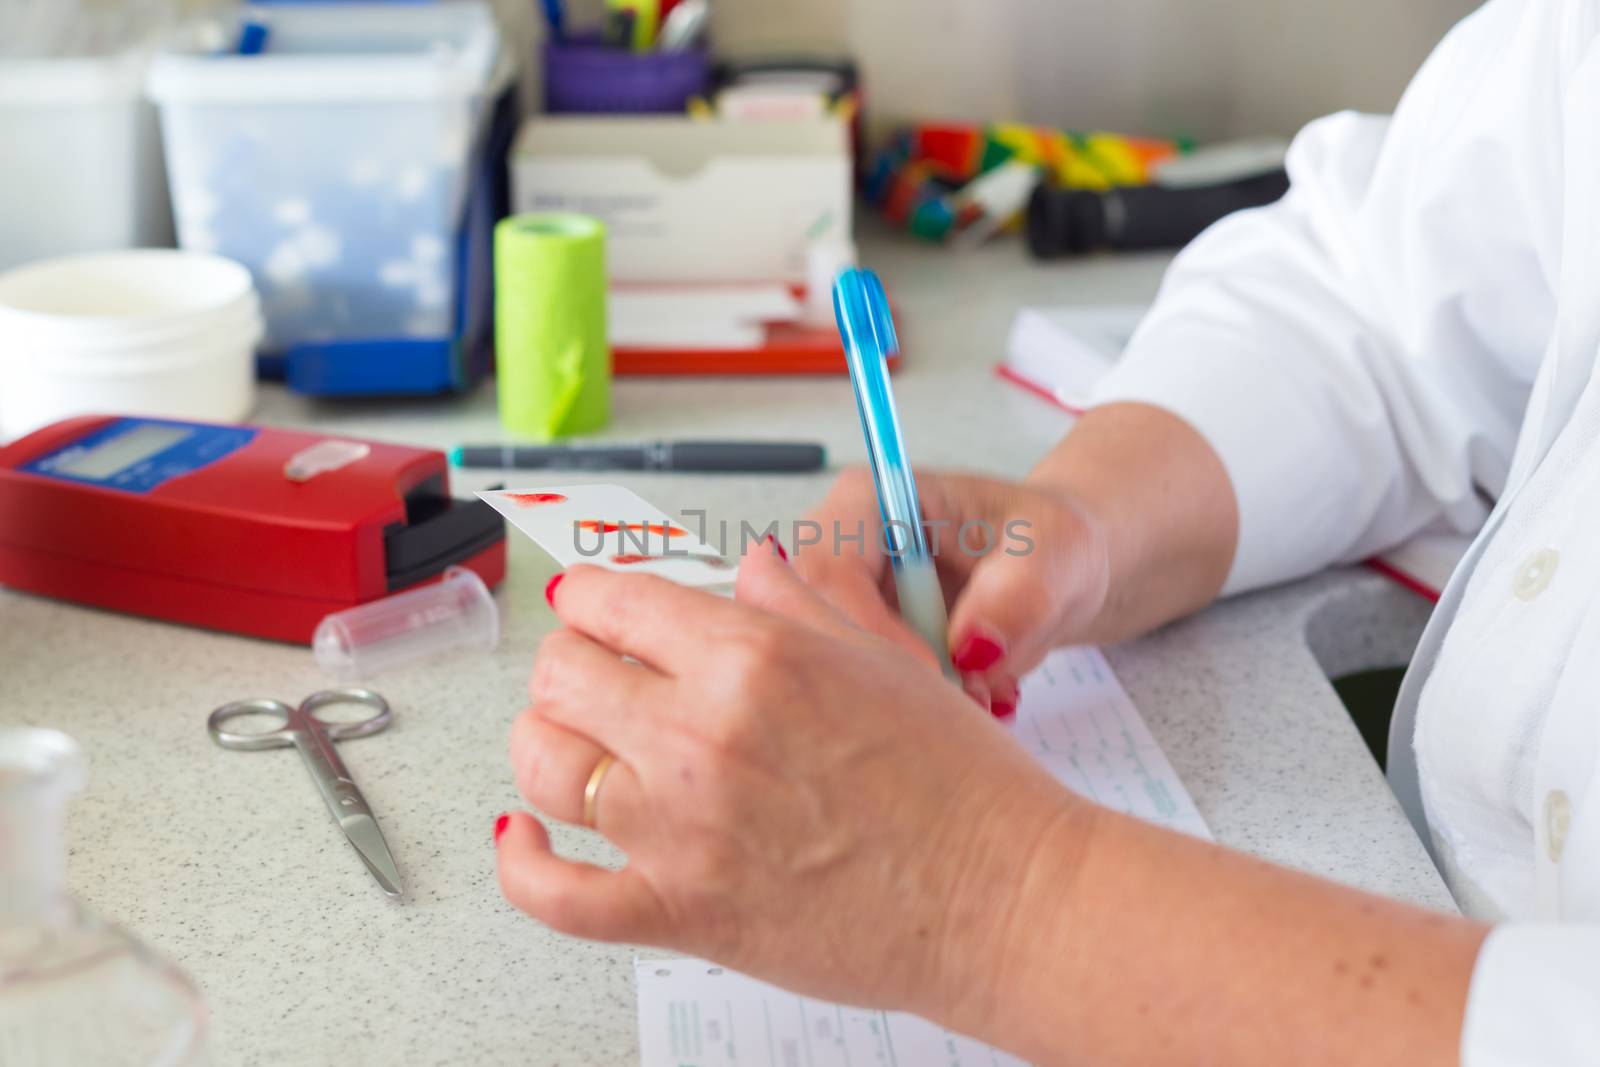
(1409, 339)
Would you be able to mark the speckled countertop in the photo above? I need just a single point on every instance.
(228, 862)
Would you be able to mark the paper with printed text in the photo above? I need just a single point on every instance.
(1078, 722)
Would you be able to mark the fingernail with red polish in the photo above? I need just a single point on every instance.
(550, 589)
(500, 825)
(1006, 699)
(978, 653)
(777, 546)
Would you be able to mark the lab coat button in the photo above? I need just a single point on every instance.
(1557, 820)
(1533, 577)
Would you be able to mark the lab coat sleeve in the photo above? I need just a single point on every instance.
(1534, 998)
(1361, 353)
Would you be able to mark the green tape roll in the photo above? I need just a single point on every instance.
(551, 358)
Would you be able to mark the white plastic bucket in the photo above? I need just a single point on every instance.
(144, 332)
(83, 165)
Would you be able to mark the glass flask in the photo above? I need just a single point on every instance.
(73, 988)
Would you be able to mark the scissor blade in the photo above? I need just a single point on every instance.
(363, 832)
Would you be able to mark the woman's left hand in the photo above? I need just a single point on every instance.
(796, 798)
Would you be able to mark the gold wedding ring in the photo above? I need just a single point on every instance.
(591, 792)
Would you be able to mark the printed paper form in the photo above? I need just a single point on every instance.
(694, 1014)
(1076, 719)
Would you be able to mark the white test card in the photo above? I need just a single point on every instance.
(612, 527)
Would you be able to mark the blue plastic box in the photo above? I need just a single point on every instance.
(341, 162)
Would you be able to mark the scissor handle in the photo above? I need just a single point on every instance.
(382, 715)
(296, 719)
(279, 738)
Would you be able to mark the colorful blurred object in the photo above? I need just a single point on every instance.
(942, 180)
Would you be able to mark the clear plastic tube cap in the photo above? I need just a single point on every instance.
(457, 611)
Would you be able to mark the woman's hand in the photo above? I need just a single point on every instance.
(1025, 569)
(796, 798)
(1128, 523)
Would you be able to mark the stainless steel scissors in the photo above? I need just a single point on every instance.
(314, 736)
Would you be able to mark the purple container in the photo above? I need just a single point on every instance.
(589, 78)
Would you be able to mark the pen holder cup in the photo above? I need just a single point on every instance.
(583, 77)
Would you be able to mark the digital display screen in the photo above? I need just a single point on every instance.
(122, 451)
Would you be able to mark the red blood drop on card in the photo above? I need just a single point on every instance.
(529, 500)
(713, 562)
(656, 528)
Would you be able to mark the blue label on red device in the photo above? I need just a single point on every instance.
(137, 455)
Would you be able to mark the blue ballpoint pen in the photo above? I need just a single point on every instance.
(867, 328)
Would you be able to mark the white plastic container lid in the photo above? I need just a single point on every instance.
(340, 52)
(112, 300)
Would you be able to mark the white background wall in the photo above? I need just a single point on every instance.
(1205, 68)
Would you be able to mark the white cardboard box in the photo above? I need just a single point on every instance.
(686, 200)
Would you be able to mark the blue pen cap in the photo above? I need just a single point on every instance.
(862, 309)
(867, 328)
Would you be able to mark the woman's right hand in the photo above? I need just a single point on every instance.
(796, 799)
(1024, 568)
